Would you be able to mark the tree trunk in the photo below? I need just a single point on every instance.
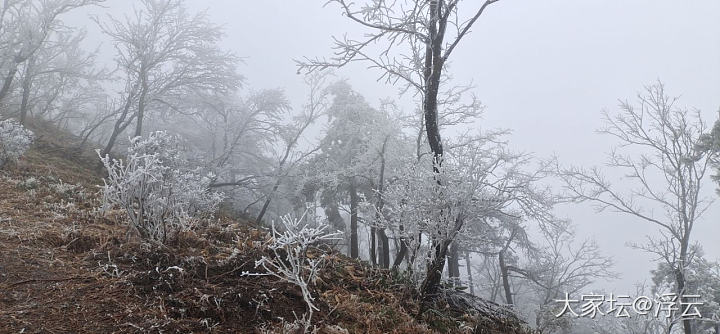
(680, 279)
(279, 173)
(384, 249)
(432, 75)
(471, 282)
(89, 131)
(267, 202)
(7, 83)
(433, 277)
(402, 252)
(353, 220)
(121, 124)
(379, 207)
(373, 247)
(505, 278)
(430, 285)
(117, 130)
(418, 140)
(26, 86)
(333, 214)
(141, 103)
(493, 280)
(111, 140)
(411, 257)
(454, 264)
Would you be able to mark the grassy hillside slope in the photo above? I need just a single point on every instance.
(65, 267)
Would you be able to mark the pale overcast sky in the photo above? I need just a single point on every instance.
(544, 69)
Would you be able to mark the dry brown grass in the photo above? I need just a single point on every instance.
(66, 268)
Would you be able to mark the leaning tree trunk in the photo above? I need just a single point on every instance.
(7, 83)
(286, 155)
(122, 122)
(431, 284)
(266, 205)
(119, 127)
(402, 252)
(89, 131)
(111, 141)
(505, 278)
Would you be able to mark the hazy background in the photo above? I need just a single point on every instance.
(544, 69)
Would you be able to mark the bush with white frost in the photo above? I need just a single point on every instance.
(155, 187)
(15, 140)
(291, 262)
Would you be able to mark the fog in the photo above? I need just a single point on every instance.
(544, 70)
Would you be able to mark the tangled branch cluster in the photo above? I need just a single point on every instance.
(291, 262)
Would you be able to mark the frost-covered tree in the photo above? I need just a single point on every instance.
(393, 150)
(703, 279)
(613, 324)
(287, 154)
(417, 38)
(710, 142)
(238, 138)
(410, 42)
(346, 165)
(483, 183)
(59, 82)
(165, 55)
(156, 189)
(559, 264)
(243, 124)
(14, 141)
(503, 241)
(666, 173)
(27, 26)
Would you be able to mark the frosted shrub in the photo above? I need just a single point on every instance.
(29, 183)
(156, 189)
(68, 191)
(15, 140)
(291, 263)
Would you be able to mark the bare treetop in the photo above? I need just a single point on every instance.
(404, 29)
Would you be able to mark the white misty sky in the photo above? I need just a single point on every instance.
(544, 69)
